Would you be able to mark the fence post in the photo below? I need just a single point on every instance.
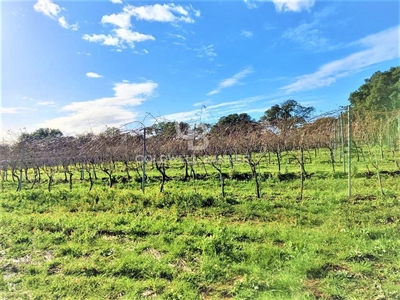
(144, 160)
(349, 150)
(398, 130)
(334, 144)
(342, 143)
(22, 154)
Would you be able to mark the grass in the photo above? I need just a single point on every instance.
(190, 243)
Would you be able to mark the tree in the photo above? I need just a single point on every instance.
(288, 113)
(41, 133)
(232, 123)
(166, 129)
(380, 92)
(111, 131)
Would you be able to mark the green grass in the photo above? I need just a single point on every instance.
(190, 243)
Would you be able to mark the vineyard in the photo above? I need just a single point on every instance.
(122, 155)
(256, 210)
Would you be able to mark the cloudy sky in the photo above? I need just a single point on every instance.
(81, 66)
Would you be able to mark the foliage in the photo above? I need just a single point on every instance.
(289, 112)
(381, 92)
(111, 131)
(232, 123)
(166, 128)
(40, 134)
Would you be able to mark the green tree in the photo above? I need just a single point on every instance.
(166, 129)
(41, 133)
(111, 132)
(289, 112)
(381, 92)
(232, 123)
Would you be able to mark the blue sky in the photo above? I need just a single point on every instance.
(88, 65)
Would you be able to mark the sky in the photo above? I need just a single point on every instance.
(84, 66)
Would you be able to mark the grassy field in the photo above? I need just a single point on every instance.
(191, 243)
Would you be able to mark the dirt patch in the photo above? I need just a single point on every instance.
(360, 198)
(149, 294)
(287, 176)
(181, 264)
(362, 258)
(322, 272)
(279, 243)
(155, 253)
(313, 286)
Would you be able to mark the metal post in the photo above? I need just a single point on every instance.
(381, 138)
(334, 146)
(144, 159)
(144, 150)
(349, 150)
(398, 131)
(22, 154)
(342, 143)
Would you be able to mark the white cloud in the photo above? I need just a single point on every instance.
(293, 5)
(310, 35)
(130, 37)
(284, 5)
(26, 98)
(46, 103)
(178, 36)
(122, 20)
(202, 103)
(116, 1)
(379, 47)
(217, 110)
(206, 51)
(162, 13)
(232, 81)
(121, 36)
(8, 110)
(111, 111)
(13, 110)
(52, 10)
(93, 75)
(142, 52)
(118, 38)
(48, 8)
(107, 40)
(247, 34)
(64, 24)
(251, 4)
